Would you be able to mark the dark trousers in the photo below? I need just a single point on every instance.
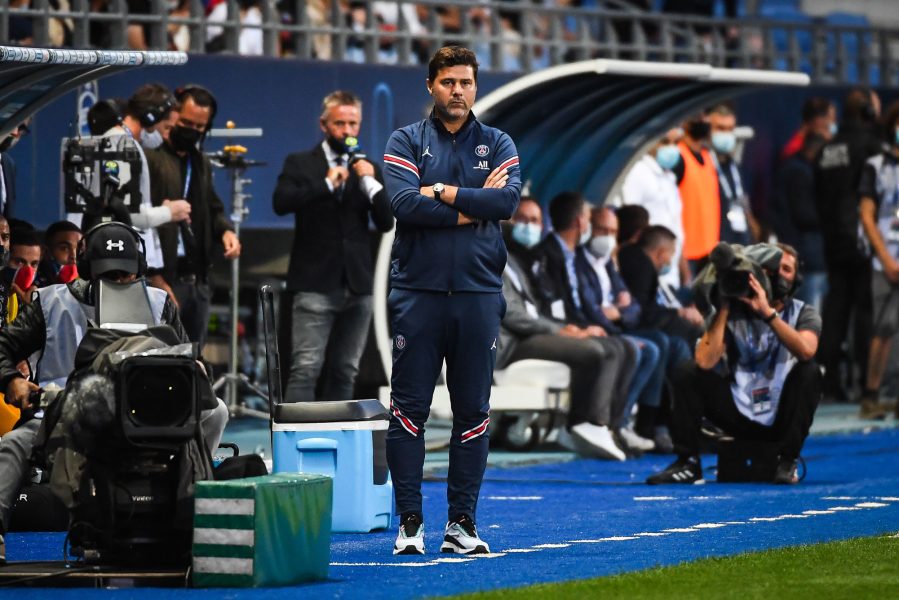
(596, 367)
(700, 393)
(848, 296)
(428, 329)
(194, 298)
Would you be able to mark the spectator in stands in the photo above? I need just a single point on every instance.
(632, 220)
(879, 194)
(528, 331)
(641, 265)
(773, 403)
(179, 33)
(332, 196)
(738, 226)
(8, 169)
(21, 28)
(62, 239)
(561, 296)
(250, 38)
(698, 183)
(837, 175)
(819, 116)
(651, 184)
(796, 221)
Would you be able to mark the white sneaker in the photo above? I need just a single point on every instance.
(411, 537)
(635, 442)
(461, 537)
(596, 440)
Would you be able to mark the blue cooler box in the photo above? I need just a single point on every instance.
(344, 440)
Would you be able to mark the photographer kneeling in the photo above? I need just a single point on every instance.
(755, 376)
(50, 330)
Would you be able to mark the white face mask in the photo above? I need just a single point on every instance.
(602, 246)
(527, 234)
(724, 141)
(150, 139)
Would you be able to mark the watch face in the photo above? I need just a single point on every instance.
(438, 188)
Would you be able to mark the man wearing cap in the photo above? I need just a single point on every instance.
(49, 330)
(333, 193)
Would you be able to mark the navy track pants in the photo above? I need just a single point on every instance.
(461, 328)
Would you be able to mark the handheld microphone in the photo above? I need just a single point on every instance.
(353, 151)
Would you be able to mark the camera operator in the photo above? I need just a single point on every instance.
(51, 328)
(755, 376)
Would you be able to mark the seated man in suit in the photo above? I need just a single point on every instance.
(332, 192)
(526, 331)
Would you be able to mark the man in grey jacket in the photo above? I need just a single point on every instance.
(527, 333)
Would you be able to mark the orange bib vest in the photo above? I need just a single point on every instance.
(701, 213)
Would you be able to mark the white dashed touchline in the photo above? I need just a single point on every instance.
(621, 538)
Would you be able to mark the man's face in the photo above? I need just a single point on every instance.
(454, 90)
(788, 268)
(166, 125)
(21, 256)
(528, 212)
(4, 234)
(119, 276)
(64, 247)
(662, 255)
(341, 122)
(605, 222)
(193, 116)
(724, 123)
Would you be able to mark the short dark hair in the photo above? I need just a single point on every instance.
(815, 107)
(724, 109)
(632, 218)
(788, 249)
(19, 224)
(150, 98)
(24, 237)
(59, 227)
(451, 56)
(858, 106)
(564, 208)
(656, 235)
(104, 115)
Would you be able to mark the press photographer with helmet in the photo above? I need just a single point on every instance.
(755, 375)
(48, 332)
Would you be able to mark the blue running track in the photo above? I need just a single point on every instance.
(586, 518)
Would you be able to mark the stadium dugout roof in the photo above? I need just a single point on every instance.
(31, 78)
(579, 126)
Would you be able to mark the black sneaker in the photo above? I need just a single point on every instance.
(787, 472)
(2, 551)
(683, 470)
(461, 537)
(411, 537)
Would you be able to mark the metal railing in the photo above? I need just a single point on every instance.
(508, 36)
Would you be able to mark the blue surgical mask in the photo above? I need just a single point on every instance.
(150, 139)
(527, 234)
(668, 156)
(665, 270)
(585, 237)
(724, 141)
(833, 129)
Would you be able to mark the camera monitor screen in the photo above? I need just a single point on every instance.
(99, 172)
(124, 306)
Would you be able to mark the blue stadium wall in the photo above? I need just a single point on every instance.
(283, 97)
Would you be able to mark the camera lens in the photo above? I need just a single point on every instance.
(159, 396)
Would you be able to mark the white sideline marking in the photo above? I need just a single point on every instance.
(489, 555)
(871, 505)
(844, 508)
(453, 560)
(710, 497)
(514, 497)
(735, 522)
(840, 498)
(520, 550)
(652, 498)
(818, 512)
(493, 527)
(766, 519)
(651, 534)
(709, 525)
(546, 546)
(680, 530)
(385, 564)
(889, 498)
(614, 538)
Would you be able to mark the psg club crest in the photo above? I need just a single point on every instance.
(482, 150)
(400, 342)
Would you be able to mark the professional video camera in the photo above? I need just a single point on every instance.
(101, 178)
(126, 444)
(726, 277)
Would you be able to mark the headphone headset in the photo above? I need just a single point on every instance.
(190, 89)
(151, 115)
(84, 261)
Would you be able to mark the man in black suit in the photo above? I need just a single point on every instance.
(333, 193)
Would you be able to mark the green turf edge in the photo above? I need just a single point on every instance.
(865, 567)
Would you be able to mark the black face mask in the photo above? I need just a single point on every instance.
(338, 146)
(7, 143)
(781, 288)
(184, 139)
(699, 130)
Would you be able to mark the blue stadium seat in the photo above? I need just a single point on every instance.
(850, 42)
(785, 11)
